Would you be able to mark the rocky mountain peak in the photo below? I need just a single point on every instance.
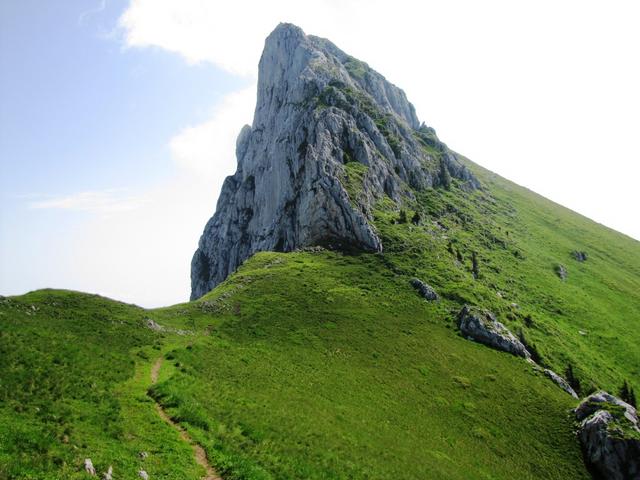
(319, 111)
(295, 67)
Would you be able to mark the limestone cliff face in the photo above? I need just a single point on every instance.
(317, 110)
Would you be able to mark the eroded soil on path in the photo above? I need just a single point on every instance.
(198, 452)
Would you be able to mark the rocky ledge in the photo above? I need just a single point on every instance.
(426, 291)
(561, 382)
(481, 326)
(319, 111)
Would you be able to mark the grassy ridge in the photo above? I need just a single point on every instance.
(324, 367)
(321, 365)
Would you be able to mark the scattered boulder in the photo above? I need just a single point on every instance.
(143, 475)
(561, 271)
(597, 401)
(481, 326)
(108, 474)
(311, 249)
(610, 436)
(561, 382)
(88, 467)
(425, 290)
(156, 327)
(579, 256)
(153, 325)
(143, 455)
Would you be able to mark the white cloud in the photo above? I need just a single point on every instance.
(103, 201)
(227, 34)
(143, 255)
(99, 8)
(198, 30)
(208, 148)
(543, 93)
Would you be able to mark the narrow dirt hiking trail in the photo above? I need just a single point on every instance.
(198, 452)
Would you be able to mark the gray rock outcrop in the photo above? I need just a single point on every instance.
(481, 326)
(153, 325)
(108, 475)
(561, 382)
(561, 271)
(88, 467)
(318, 109)
(425, 291)
(580, 256)
(610, 436)
(156, 327)
(601, 399)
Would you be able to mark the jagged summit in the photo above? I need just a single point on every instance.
(318, 109)
(298, 66)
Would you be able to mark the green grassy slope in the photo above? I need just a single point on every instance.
(324, 366)
(321, 365)
(73, 378)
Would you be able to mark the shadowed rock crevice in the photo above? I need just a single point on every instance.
(317, 110)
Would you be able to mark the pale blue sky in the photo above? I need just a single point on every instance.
(118, 117)
(79, 112)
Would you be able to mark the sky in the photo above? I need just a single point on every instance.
(118, 118)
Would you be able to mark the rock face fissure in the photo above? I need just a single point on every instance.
(318, 109)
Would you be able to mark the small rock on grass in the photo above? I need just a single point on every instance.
(580, 256)
(88, 467)
(108, 474)
(561, 382)
(561, 271)
(426, 291)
